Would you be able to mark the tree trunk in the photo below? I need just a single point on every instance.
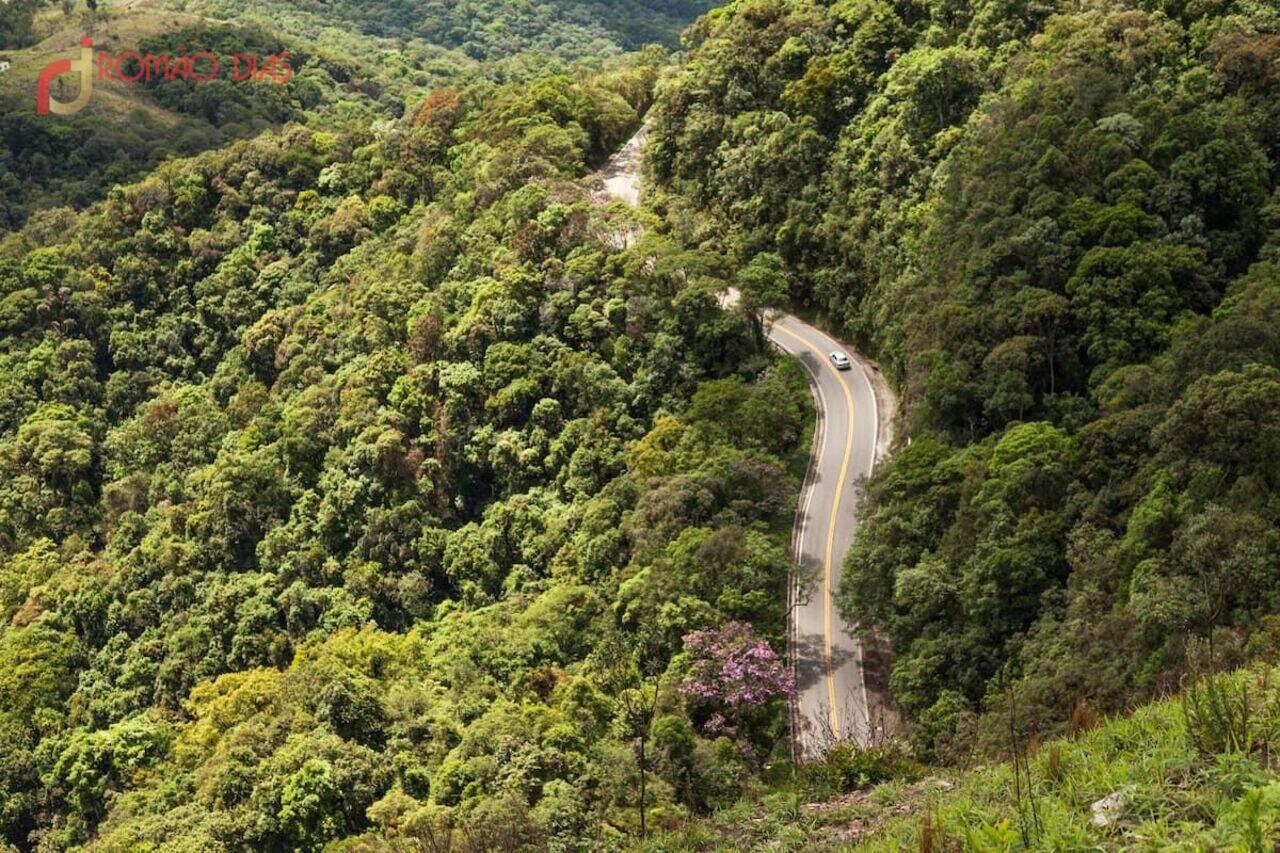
(643, 830)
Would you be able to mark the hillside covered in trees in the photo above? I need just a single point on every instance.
(360, 483)
(1058, 226)
(352, 64)
(364, 485)
(128, 129)
(572, 29)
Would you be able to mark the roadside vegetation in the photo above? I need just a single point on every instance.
(1195, 772)
(1057, 226)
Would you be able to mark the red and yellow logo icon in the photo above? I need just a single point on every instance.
(83, 66)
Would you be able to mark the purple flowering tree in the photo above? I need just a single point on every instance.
(733, 670)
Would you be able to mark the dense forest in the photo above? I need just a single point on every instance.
(368, 482)
(129, 130)
(574, 30)
(487, 30)
(353, 64)
(1058, 226)
(362, 483)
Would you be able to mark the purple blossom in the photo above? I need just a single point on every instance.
(734, 668)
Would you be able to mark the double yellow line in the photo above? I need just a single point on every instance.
(834, 720)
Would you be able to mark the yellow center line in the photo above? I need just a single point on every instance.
(831, 531)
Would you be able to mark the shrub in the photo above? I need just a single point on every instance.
(945, 732)
(1218, 715)
(848, 767)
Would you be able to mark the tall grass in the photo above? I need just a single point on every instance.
(1218, 715)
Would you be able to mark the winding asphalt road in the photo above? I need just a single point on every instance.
(832, 704)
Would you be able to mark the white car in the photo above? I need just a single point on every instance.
(841, 361)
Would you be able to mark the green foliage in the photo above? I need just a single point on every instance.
(336, 463)
(944, 732)
(1219, 717)
(1054, 226)
(487, 31)
(352, 65)
(1140, 781)
(130, 129)
(16, 22)
(847, 767)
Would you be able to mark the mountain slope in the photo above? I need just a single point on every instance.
(487, 31)
(359, 488)
(1167, 777)
(129, 128)
(352, 63)
(1057, 224)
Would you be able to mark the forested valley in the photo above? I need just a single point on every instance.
(369, 482)
(352, 64)
(361, 482)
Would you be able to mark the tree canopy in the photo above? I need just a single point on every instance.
(356, 482)
(1057, 228)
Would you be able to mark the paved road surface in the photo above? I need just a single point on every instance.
(832, 704)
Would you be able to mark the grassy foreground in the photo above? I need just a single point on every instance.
(1196, 772)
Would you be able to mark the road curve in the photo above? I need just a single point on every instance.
(832, 703)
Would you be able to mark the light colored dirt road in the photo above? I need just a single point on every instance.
(621, 173)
